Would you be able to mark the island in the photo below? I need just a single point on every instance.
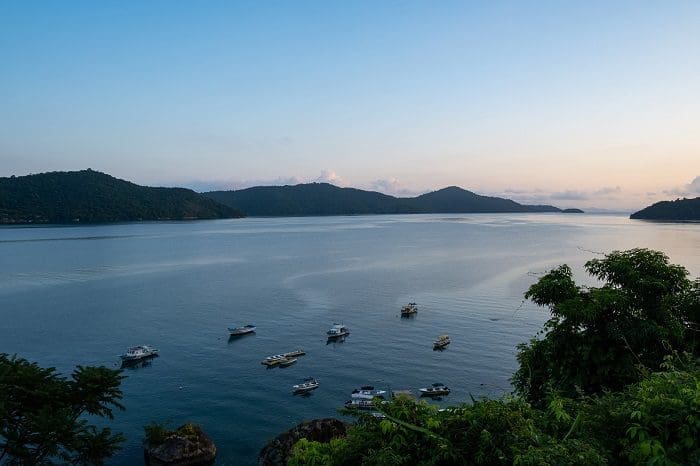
(89, 196)
(680, 210)
(313, 199)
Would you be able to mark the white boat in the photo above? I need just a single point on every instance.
(306, 386)
(287, 362)
(437, 389)
(441, 342)
(337, 331)
(138, 353)
(367, 393)
(409, 310)
(242, 330)
(359, 404)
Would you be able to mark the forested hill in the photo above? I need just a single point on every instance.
(326, 199)
(679, 210)
(89, 196)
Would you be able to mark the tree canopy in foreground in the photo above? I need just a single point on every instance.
(44, 417)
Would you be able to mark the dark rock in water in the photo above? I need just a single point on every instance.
(186, 446)
(279, 450)
(572, 211)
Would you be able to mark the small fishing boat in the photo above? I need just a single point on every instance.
(234, 331)
(288, 362)
(307, 385)
(367, 393)
(441, 342)
(438, 389)
(138, 353)
(337, 331)
(359, 404)
(279, 358)
(409, 310)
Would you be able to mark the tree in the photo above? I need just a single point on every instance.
(600, 338)
(44, 416)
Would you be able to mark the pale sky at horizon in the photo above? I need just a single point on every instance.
(576, 104)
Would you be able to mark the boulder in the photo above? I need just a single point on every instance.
(278, 451)
(186, 446)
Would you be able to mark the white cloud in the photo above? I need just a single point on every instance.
(691, 189)
(329, 176)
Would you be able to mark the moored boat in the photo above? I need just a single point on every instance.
(441, 342)
(307, 385)
(359, 404)
(279, 358)
(437, 389)
(367, 393)
(337, 331)
(138, 353)
(288, 362)
(409, 310)
(234, 331)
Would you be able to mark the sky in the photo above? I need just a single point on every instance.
(576, 104)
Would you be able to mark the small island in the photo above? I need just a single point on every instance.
(680, 210)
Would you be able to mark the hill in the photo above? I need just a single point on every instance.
(89, 196)
(682, 210)
(327, 199)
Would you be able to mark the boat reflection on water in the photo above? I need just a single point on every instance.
(133, 365)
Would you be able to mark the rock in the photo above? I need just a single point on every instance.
(278, 451)
(186, 446)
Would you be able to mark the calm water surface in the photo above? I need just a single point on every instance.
(81, 295)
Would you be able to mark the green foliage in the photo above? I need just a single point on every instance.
(156, 433)
(88, 196)
(326, 199)
(605, 338)
(604, 386)
(678, 210)
(44, 417)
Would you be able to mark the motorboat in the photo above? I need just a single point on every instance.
(337, 331)
(234, 331)
(367, 393)
(359, 404)
(280, 358)
(138, 353)
(307, 385)
(288, 362)
(409, 310)
(437, 389)
(441, 342)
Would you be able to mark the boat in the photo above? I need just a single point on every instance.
(287, 362)
(280, 358)
(337, 331)
(307, 385)
(241, 330)
(441, 342)
(367, 393)
(138, 353)
(438, 389)
(359, 404)
(409, 310)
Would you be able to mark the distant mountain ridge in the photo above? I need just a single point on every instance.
(89, 196)
(327, 199)
(680, 210)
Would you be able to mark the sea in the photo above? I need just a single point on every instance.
(81, 295)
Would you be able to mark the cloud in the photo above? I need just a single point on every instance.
(326, 176)
(691, 189)
(607, 191)
(329, 176)
(393, 187)
(569, 195)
